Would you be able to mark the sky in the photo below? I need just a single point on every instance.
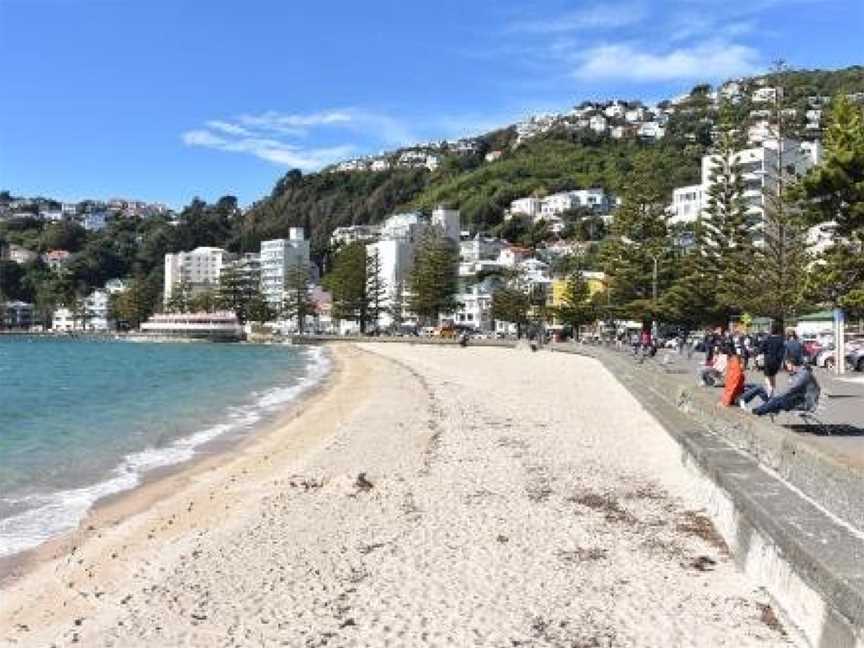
(165, 100)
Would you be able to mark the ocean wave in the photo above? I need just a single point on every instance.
(48, 515)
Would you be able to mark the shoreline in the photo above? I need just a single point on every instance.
(158, 482)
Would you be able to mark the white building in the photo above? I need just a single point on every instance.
(352, 233)
(448, 221)
(759, 168)
(278, 258)
(687, 203)
(528, 206)
(480, 248)
(636, 114)
(597, 123)
(651, 130)
(475, 305)
(407, 226)
(764, 95)
(199, 269)
(380, 165)
(94, 221)
(615, 110)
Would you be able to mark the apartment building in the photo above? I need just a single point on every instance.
(199, 270)
(278, 258)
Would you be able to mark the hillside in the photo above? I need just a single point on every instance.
(559, 156)
(479, 175)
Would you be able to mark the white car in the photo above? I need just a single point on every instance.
(825, 358)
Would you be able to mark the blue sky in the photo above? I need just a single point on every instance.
(164, 100)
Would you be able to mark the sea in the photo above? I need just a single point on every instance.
(82, 419)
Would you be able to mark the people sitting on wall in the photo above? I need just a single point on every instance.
(714, 369)
(795, 394)
(734, 386)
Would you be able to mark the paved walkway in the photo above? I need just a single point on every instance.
(842, 410)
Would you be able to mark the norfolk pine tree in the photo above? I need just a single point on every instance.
(376, 289)
(642, 220)
(835, 193)
(433, 281)
(297, 303)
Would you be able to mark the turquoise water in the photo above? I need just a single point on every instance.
(83, 419)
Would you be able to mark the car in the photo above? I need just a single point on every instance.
(825, 357)
(855, 358)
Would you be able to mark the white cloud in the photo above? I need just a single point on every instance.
(600, 16)
(269, 149)
(283, 138)
(227, 127)
(709, 61)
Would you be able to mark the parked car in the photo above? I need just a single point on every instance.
(855, 358)
(825, 357)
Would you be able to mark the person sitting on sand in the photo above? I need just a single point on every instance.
(734, 386)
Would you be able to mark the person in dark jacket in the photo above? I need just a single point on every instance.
(794, 350)
(773, 350)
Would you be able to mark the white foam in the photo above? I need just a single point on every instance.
(55, 513)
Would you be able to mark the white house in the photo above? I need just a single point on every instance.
(764, 95)
(615, 110)
(597, 123)
(651, 130)
(94, 221)
(352, 233)
(528, 206)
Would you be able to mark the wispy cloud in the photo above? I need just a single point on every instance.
(708, 61)
(271, 150)
(599, 16)
(306, 141)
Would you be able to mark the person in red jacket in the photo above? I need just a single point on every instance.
(734, 386)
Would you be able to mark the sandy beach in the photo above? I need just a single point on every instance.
(429, 496)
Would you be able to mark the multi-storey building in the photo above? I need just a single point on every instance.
(199, 270)
(278, 258)
(760, 168)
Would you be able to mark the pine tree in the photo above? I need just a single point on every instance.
(509, 304)
(639, 237)
(726, 245)
(576, 308)
(397, 306)
(774, 285)
(258, 310)
(376, 289)
(433, 282)
(347, 283)
(297, 303)
(834, 192)
(236, 289)
(181, 294)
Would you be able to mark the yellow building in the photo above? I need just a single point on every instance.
(596, 284)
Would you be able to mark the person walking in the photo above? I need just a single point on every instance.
(794, 349)
(773, 350)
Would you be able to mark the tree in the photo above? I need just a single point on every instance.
(576, 308)
(774, 285)
(237, 287)
(725, 239)
(397, 306)
(509, 304)
(206, 302)
(376, 288)
(835, 193)
(639, 237)
(181, 297)
(258, 310)
(134, 305)
(347, 283)
(298, 304)
(433, 282)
